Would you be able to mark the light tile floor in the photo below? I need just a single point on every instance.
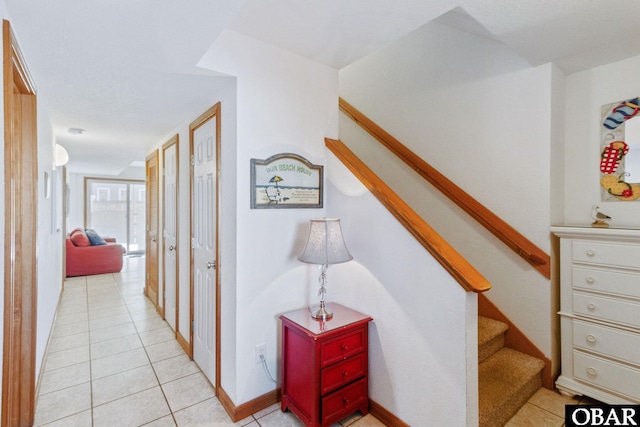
(113, 362)
(546, 409)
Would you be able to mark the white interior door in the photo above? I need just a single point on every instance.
(170, 232)
(204, 247)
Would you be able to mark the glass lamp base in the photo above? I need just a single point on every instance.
(322, 313)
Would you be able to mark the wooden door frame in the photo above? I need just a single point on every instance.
(173, 141)
(153, 156)
(20, 262)
(65, 213)
(204, 117)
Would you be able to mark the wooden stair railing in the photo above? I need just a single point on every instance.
(508, 235)
(463, 272)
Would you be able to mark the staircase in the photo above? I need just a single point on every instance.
(506, 377)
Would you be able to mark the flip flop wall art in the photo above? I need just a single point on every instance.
(614, 149)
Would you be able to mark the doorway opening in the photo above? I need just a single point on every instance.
(116, 208)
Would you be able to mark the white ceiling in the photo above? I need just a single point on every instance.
(125, 71)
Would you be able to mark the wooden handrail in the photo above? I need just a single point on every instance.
(464, 273)
(508, 235)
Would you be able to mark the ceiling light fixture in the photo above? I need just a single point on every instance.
(76, 131)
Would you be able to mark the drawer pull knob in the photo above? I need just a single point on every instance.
(592, 371)
(591, 338)
(345, 373)
(590, 279)
(591, 306)
(591, 252)
(344, 347)
(345, 400)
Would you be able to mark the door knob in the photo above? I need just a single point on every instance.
(154, 239)
(211, 264)
(171, 248)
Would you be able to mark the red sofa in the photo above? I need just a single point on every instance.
(87, 260)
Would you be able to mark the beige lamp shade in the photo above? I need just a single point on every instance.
(325, 244)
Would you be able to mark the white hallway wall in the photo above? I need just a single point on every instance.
(49, 264)
(289, 104)
(419, 368)
(225, 94)
(285, 103)
(483, 117)
(3, 15)
(586, 92)
(48, 237)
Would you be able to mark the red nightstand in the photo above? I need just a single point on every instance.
(325, 365)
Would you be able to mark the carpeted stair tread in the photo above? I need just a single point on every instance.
(490, 337)
(506, 380)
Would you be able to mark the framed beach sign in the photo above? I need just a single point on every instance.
(285, 180)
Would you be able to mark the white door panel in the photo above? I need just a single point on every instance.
(204, 250)
(170, 234)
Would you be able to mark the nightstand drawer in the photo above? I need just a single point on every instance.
(606, 281)
(607, 253)
(344, 400)
(342, 373)
(615, 310)
(607, 341)
(610, 375)
(340, 348)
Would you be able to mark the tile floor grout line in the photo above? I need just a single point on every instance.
(150, 363)
(545, 410)
(161, 385)
(133, 306)
(90, 360)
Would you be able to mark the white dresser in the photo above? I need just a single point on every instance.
(600, 313)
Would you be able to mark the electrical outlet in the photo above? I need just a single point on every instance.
(261, 350)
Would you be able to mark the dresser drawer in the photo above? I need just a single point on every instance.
(344, 400)
(332, 351)
(621, 255)
(615, 310)
(606, 281)
(607, 341)
(342, 373)
(610, 375)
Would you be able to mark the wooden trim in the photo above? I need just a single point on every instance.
(464, 273)
(514, 338)
(21, 226)
(84, 198)
(151, 158)
(249, 408)
(384, 416)
(65, 215)
(535, 256)
(19, 72)
(214, 111)
(183, 342)
(218, 112)
(237, 413)
(160, 309)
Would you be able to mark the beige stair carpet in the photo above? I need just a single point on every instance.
(507, 379)
(490, 337)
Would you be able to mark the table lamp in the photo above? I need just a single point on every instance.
(325, 245)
